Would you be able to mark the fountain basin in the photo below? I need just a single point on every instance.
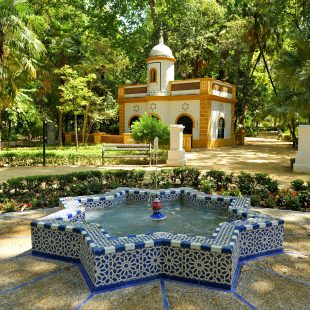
(111, 261)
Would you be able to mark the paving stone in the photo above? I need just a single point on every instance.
(292, 228)
(186, 297)
(22, 269)
(141, 297)
(31, 214)
(10, 227)
(297, 243)
(292, 265)
(268, 291)
(64, 290)
(11, 247)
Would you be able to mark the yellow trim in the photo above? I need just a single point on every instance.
(160, 58)
(134, 85)
(132, 116)
(188, 115)
(150, 75)
(176, 98)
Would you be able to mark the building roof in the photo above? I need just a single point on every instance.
(161, 49)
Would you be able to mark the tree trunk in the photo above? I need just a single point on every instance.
(85, 123)
(0, 130)
(60, 128)
(261, 50)
(292, 129)
(255, 65)
(76, 133)
(154, 13)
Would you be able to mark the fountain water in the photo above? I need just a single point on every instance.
(157, 205)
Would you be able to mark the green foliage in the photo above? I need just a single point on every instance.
(149, 127)
(87, 155)
(221, 179)
(298, 185)
(45, 191)
(207, 186)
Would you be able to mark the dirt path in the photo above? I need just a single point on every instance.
(257, 155)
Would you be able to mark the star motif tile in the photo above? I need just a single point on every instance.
(185, 106)
(153, 106)
(136, 108)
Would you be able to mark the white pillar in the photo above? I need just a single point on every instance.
(176, 154)
(302, 160)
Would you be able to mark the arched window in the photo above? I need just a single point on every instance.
(221, 127)
(153, 75)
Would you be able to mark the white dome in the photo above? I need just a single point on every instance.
(161, 49)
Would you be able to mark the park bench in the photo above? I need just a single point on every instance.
(126, 151)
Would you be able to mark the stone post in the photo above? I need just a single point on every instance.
(302, 160)
(176, 154)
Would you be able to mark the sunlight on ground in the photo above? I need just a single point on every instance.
(263, 286)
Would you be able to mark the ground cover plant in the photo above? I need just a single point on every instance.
(86, 155)
(34, 192)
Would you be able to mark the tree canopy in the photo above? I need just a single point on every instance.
(261, 46)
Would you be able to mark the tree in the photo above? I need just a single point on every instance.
(149, 127)
(75, 94)
(20, 50)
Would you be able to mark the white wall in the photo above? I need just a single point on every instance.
(165, 74)
(218, 110)
(168, 111)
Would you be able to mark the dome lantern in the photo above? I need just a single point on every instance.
(160, 66)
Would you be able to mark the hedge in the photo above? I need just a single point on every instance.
(44, 191)
(66, 156)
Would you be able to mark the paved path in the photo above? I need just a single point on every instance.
(274, 282)
(257, 155)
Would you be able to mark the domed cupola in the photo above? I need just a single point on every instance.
(160, 68)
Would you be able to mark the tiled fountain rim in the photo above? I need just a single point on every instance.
(223, 239)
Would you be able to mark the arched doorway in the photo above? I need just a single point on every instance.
(187, 122)
(132, 120)
(221, 128)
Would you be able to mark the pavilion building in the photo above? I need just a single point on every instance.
(204, 106)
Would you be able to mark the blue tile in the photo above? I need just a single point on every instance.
(139, 245)
(185, 244)
(166, 242)
(241, 228)
(62, 227)
(226, 249)
(205, 247)
(158, 242)
(268, 224)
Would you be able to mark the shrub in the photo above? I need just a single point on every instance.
(246, 183)
(149, 127)
(45, 191)
(298, 185)
(207, 186)
(185, 176)
(221, 179)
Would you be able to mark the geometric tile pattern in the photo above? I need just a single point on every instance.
(116, 261)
